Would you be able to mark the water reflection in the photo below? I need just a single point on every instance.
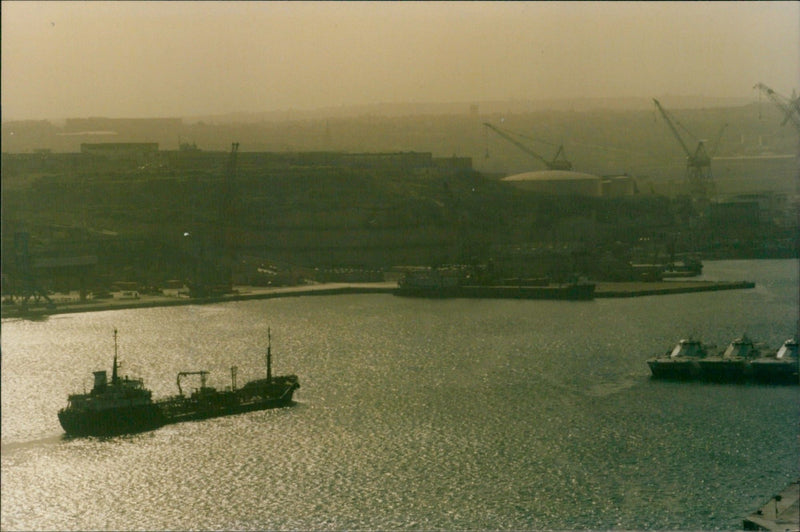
(412, 415)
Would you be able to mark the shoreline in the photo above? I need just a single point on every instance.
(247, 293)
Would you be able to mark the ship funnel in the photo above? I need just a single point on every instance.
(100, 379)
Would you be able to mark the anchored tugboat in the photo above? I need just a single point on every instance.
(742, 361)
(124, 405)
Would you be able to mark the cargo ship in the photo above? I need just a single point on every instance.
(124, 405)
(436, 283)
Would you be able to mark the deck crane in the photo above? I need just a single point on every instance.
(555, 164)
(203, 375)
(790, 107)
(698, 163)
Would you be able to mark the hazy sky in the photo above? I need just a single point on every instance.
(151, 59)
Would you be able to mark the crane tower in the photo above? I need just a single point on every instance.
(698, 162)
(790, 107)
(559, 161)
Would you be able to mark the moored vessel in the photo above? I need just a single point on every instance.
(742, 361)
(456, 283)
(780, 367)
(733, 364)
(682, 362)
(124, 405)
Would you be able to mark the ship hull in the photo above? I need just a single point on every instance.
(110, 422)
(128, 420)
(187, 410)
(725, 370)
(775, 372)
(675, 369)
(763, 371)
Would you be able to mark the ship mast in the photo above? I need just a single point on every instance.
(269, 355)
(114, 373)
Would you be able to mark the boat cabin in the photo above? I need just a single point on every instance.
(688, 349)
(741, 348)
(788, 351)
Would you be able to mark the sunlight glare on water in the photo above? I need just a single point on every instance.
(412, 414)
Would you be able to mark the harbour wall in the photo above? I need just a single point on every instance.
(245, 293)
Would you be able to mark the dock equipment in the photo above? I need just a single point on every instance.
(790, 107)
(558, 162)
(698, 163)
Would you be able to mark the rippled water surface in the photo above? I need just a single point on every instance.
(413, 414)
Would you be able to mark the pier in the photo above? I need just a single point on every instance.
(638, 289)
(72, 304)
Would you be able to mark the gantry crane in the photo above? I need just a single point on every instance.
(559, 161)
(698, 163)
(790, 107)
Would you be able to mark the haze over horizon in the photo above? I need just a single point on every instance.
(163, 59)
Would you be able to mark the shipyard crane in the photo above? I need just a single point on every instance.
(790, 107)
(555, 164)
(698, 163)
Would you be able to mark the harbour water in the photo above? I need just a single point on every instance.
(412, 414)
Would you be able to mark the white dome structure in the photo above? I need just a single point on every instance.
(558, 182)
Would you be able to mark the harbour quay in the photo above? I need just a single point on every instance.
(638, 289)
(71, 303)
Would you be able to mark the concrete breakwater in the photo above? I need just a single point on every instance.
(637, 289)
(72, 303)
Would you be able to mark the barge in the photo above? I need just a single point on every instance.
(782, 366)
(742, 361)
(435, 283)
(682, 362)
(733, 364)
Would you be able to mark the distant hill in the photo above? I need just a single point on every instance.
(403, 109)
(482, 107)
